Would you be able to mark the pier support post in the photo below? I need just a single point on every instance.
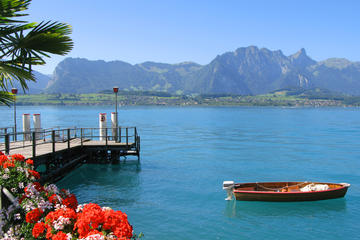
(68, 138)
(7, 144)
(127, 136)
(119, 134)
(34, 144)
(53, 140)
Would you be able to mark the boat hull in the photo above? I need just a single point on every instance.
(272, 196)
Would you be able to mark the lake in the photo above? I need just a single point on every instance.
(187, 152)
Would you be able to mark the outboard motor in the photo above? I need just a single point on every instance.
(228, 186)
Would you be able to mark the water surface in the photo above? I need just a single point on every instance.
(176, 191)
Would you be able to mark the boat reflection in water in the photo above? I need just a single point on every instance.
(243, 209)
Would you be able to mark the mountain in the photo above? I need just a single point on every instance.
(77, 75)
(245, 71)
(39, 86)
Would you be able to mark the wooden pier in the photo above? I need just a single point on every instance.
(56, 151)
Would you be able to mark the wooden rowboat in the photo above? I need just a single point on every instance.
(286, 191)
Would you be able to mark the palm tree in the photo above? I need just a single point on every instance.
(24, 44)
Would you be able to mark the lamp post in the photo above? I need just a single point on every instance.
(116, 90)
(14, 91)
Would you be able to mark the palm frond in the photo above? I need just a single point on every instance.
(49, 37)
(25, 45)
(52, 27)
(11, 8)
(10, 29)
(10, 73)
(6, 98)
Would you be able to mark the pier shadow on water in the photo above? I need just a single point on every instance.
(243, 209)
(113, 185)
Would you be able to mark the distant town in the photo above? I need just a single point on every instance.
(286, 97)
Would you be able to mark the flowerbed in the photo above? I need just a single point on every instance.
(45, 212)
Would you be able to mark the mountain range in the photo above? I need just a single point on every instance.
(42, 80)
(245, 71)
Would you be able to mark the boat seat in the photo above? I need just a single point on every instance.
(293, 189)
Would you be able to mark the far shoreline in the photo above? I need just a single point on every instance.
(283, 98)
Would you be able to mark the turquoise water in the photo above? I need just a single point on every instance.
(176, 191)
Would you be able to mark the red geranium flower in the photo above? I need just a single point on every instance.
(55, 199)
(38, 187)
(30, 162)
(62, 212)
(3, 158)
(34, 173)
(60, 236)
(91, 217)
(8, 164)
(17, 157)
(38, 229)
(70, 202)
(34, 215)
(48, 232)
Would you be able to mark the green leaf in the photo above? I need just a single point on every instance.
(25, 45)
(10, 9)
(6, 98)
(10, 72)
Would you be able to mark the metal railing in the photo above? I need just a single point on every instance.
(5, 130)
(121, 135)
(34, 138)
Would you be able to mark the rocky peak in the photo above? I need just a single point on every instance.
(301, 59)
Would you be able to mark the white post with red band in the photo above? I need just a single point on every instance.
(114, 125)
(37, 125)
(26, 126)
(102, 126)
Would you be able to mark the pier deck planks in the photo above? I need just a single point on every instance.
(44, 148)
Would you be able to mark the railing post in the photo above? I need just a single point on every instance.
(34, 144)
(135, 134)
(68, 138)
(138, 146)
(53, 140)
(7, 144)
(81, 136)
(127, 136)
(106, 136)
(119, 134)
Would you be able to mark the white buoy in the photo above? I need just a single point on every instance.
(102, 126)
(229, 187)
(114, 125)
(26, 126)
(37, 125)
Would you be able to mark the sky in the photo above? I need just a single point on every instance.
(174, 31)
